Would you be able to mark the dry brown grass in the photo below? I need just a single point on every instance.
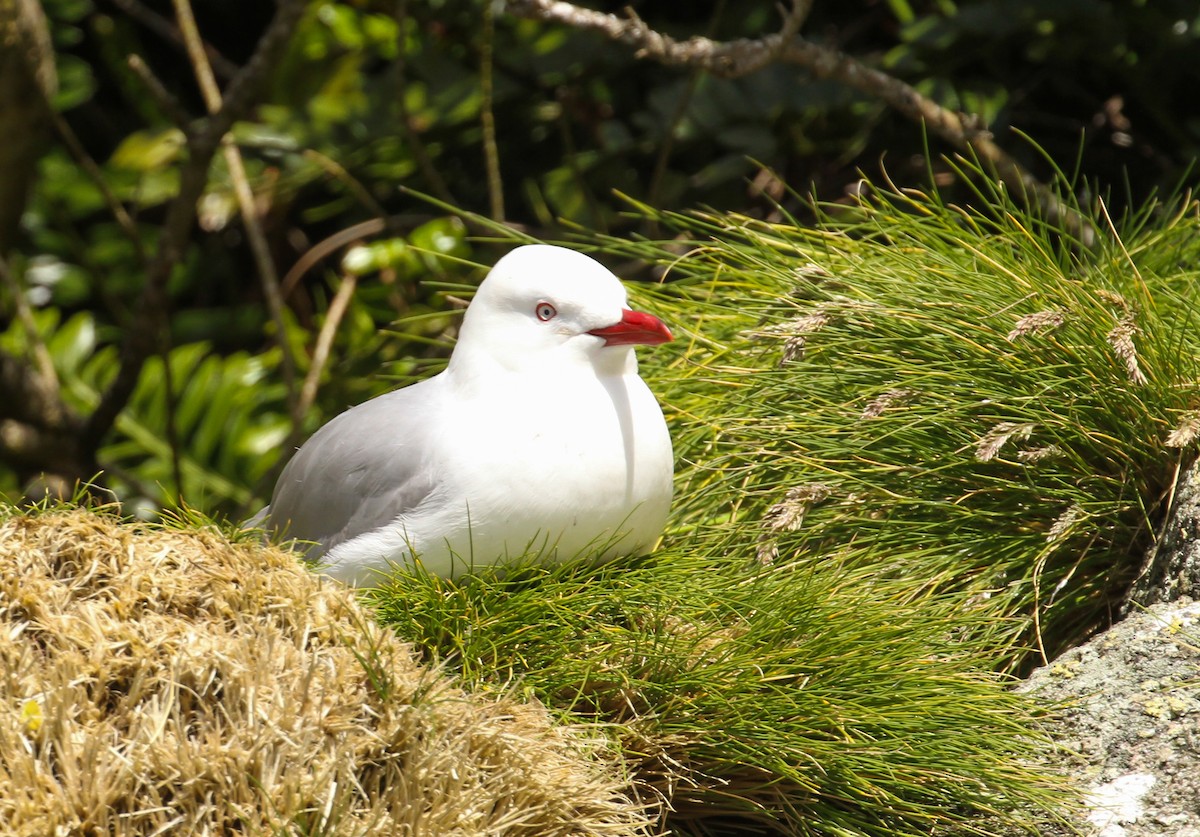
(171, 682)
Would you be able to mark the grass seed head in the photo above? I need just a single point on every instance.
(1121, 340)
(1065, 522)
(1034, 455)
(1036, 322)
(788, 515)
(892, 398)
(990, 444)
(1185, 432)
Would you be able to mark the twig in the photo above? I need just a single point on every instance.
(41, 355)
(338, 172)
(308, 390)
(373, 226)
(571, 156)
(171, 107)
(259, 247)
(333, 317)
(329, 245)
(416, 145)
(663, 157)
(161, 26)
(731, 59)
(166, 102)
(92, 170)
(487, 116)
(194, 45)
(203, 140)
(793, 22)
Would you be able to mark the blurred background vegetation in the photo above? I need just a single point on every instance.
(373, 101)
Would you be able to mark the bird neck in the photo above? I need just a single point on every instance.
(471, 371)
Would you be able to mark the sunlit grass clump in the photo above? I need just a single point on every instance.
(977, 402)
(748, 697)
(918, 445)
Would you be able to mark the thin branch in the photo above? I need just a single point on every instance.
(487, 116)
(167, 103)
(728, 59)
(41, 355)
(731, 59)
(793, 21)
(337, 171)
(333, 317)
(92, 170)
(308, 391)
(171, 107)
(259, 247)
(161, 26)
(194, 45)
(416, 145)
(203, 140)
(572, 159)
(659, 172)
(328, 245)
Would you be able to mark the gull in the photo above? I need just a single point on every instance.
(538, 440)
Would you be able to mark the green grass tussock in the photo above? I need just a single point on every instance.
(752, 697)
(156, 681)
(919, 445)
(974, 401)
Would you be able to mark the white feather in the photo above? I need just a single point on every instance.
(538, 437)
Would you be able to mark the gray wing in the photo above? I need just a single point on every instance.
(360, 471)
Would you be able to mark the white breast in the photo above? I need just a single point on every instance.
(576, 469)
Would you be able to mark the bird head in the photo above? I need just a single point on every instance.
(543, 305)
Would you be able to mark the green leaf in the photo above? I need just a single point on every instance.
(148, 150)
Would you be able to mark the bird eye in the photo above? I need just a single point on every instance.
(545, 311)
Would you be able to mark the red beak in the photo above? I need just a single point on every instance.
(634, 328)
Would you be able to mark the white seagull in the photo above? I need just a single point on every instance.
(538, 439)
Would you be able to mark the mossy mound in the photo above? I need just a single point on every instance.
(160, 681)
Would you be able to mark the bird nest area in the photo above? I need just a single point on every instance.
(158, 681)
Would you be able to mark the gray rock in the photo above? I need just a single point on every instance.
(1172, 567)
(1129, 732)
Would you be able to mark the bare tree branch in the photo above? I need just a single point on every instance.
(487, 116)
(259, 247)
(731, 59)
(333, 317)
(163, 27)
(728, 59)
(28, 397)
(27, 80)
(408, 124)
(166, 102)
(203, 142)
